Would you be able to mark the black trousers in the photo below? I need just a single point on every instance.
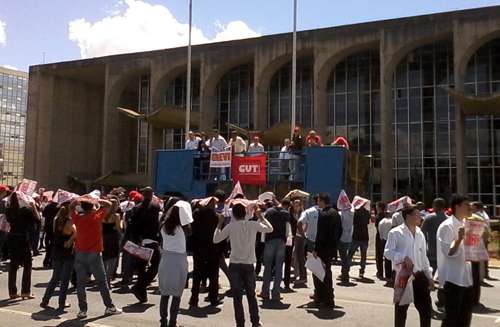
(379, 255)
(146, 274)
(288, 266)
(323, 290)
(205, 265)
(387, 264)
(476, 282)
(47, 261)
(259, 255)
(458, 305)
(422, 301)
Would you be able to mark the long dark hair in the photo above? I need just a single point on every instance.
(172, 221)
(14, 201)
(62, 217)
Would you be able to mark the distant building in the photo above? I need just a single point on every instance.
(390, 87)
(13, 99)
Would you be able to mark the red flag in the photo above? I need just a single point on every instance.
(250, 170)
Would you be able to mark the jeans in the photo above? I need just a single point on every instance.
(61, 273)
(259, 252)
(86, 264)
(242, 278)
(476, 282)
(422, 300)
(26, 279)
(274, 255)
(205, 265)
(169, 319)
(299, 258)
(363, 246)
(110, 266)
(458, 305)
(344, 258)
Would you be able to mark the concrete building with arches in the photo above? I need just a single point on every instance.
(384, 85)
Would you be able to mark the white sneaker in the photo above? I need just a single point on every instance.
(82, 315)
(112, 311)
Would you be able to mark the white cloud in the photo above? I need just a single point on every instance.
(3, 33)
(10, 67)
(140, 26)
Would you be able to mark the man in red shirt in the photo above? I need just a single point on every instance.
(88, 248)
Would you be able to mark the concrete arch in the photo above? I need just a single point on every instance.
(469, 52)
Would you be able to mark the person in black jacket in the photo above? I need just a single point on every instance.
(144, 228)
(327, 238)
(205, 253)
(49, 213)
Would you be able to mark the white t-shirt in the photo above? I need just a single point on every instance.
(192, 144)
(384, 227)
(347, 225)
(174, 243)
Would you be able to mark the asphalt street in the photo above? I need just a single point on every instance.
(364, 303)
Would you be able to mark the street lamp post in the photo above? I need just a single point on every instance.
(188, 77)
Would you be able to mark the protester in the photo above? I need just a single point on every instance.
(313, 139)
(384, 227)
(329, 230)
(242, 233)
(4, 193)
(341, 141)
(406, 246)
(308, 224)
(217, 142)
(291, 232)
(144, 227)
(88, 246)
(63, 258)
(344, 245)
(237, 144)
(206, 254)
(49, 213)
(111, 230)
(192, 141)
(380, 213)
(360, 237)
(429, 228)
(255, 146)
(299, 246)
(204, 144)
(22, 218)
(285, 158)
(454, 273)
(274, 250)
(479, 209)
(173, 268)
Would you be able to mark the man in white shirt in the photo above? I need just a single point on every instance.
(397, 219)
(455, 274)
(237, 144)
(242, 234)
(255, 146)
(406, 245)
(192, 142)
(384, 227)
(285, 157)
(218, 143)
(308, 224)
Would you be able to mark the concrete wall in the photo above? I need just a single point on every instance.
(394, 40)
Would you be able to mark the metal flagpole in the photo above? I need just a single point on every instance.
(294, 67)
(188, 78)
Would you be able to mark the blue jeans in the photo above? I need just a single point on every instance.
(242, 277)
(61, 273)
(344, 258)
(86, 264)
(274, 255)
(363, 246)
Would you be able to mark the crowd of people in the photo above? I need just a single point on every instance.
(86, 236)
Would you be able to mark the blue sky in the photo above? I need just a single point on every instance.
(72, 29)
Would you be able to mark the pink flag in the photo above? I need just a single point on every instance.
(359, 202)
(343, 202)
(398, 204)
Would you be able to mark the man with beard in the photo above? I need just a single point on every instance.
(144, 228)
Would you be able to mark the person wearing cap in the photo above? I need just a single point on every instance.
(256, 146)
(88, 249)
(192, 141)
(406, 246)
(329, 230)
(274, 249)
(144, 228)
(242, 234)
(237, 143)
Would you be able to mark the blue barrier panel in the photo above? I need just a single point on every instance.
(325, 170)
(174, 171)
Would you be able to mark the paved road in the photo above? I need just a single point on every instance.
(365, 304)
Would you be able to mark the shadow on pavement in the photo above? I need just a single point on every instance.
(482, 309)
(365, 280)
(78, 323)
(137, 307)
(200, 312)
(346, 284)
(274, 305)
(45, 315)
(9, 302)
(321, 312)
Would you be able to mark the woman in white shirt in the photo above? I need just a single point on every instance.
(173, 269)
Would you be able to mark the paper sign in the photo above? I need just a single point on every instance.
(473, 241)
(221, 159)
(140, 252)
(62, 196)
(398, 204)
(359, 202)
(48, 195)
(27, 186)
(343, 202)
(315, 265)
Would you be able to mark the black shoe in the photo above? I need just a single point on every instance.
(141, 297)
(44, 304)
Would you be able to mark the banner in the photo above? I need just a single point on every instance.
(221, 159)
(27, 187)
(343, 202)
(250, 170)
(138, 251)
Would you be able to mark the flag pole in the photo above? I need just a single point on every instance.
(294, 67)
(188, 77)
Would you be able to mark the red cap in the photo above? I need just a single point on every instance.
(3, 188)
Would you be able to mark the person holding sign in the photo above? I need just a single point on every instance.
(406, 246)
(455, 274)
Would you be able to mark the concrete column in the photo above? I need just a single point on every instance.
(320, 98)
(386, 121)
(208, 102)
